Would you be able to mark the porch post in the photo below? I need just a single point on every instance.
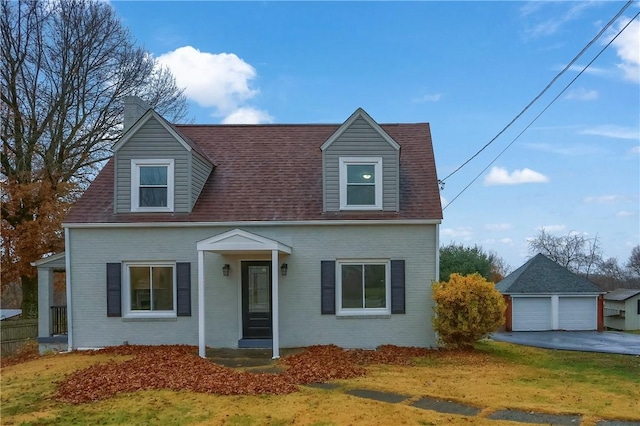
(201, 316)
(45, 298)
(274, 303)
(67, 273)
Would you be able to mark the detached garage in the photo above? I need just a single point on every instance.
(542, 295)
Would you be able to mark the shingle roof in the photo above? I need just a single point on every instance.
(542, 275)
(274, 173)
(621, 294)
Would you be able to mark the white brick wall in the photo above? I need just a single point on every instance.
(301, 323)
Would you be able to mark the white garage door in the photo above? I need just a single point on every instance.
(577, 313)
(531, 313)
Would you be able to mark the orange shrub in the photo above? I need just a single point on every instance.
(468, 307)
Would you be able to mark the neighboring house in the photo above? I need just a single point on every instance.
(622, 309)
(543, 295)
(255, 236)
(10, 313)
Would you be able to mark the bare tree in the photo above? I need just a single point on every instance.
(633, 264)
(499, 268)
(611, 268)
(573, 251)
(65, 68)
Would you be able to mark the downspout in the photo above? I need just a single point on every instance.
(275, 306)
(201, 316)
(435, 333)
(67, 270)
(437, 252)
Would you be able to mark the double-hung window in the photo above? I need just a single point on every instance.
(363, 287)
(360, 183)
(150, 289)
(152, 185)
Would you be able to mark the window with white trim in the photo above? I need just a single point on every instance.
(363, 287)
(150, 289)
(360, 183)
(152, 185)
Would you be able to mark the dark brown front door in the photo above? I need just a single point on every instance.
(256, 300)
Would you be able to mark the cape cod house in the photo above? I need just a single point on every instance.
(254, 236)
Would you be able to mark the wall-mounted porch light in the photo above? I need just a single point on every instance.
(283, 269)
(225, 270)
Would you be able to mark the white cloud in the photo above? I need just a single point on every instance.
(247, 115)
(591, 70)
(500, 176)
(461, 232)
(628, 50)
(559, 148)
(571, 233)
(215, 80)
(602, 199)
(624, 213)
(529, 8)
(551, 228)
(612, 131)
(582, 94)
(506, 241)
(443, 201)
(559, 18)
(635, 150)
(498, 226)
(435, 97)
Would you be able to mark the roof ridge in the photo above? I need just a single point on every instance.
(287, 124)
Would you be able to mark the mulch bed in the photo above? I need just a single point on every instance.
(179, 368)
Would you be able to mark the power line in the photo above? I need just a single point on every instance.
(584, 49)
(543, 111)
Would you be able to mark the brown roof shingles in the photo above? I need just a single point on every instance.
(274, 173)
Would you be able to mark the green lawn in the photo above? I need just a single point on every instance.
(495, 376)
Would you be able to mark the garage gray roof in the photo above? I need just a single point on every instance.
(542, 275)
(620, 294)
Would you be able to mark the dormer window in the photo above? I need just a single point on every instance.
(361, 183)
(152, 185)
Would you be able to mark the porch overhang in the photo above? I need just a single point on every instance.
(56, 262)
(238, 241)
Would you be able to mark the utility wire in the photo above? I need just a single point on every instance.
(543, 111)
(441, 181)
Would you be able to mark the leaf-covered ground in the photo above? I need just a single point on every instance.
(179, 368)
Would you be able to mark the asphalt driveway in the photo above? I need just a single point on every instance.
(586, 341)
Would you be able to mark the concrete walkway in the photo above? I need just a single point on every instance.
(586, 341)
(461, 409)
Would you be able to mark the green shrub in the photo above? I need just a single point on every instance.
(468, 307)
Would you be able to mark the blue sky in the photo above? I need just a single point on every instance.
(467, 68)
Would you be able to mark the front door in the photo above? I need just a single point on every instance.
(256, 300)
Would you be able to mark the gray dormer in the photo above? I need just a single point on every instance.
(157, 170)
(360, 164)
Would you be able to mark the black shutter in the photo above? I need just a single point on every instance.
(397, 287)
(114, 289)
(183, 276)
(328, 286)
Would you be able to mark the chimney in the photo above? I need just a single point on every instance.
(134, 108)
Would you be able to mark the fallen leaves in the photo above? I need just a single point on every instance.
(178, 367)
(165, 367)
(27, 352)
